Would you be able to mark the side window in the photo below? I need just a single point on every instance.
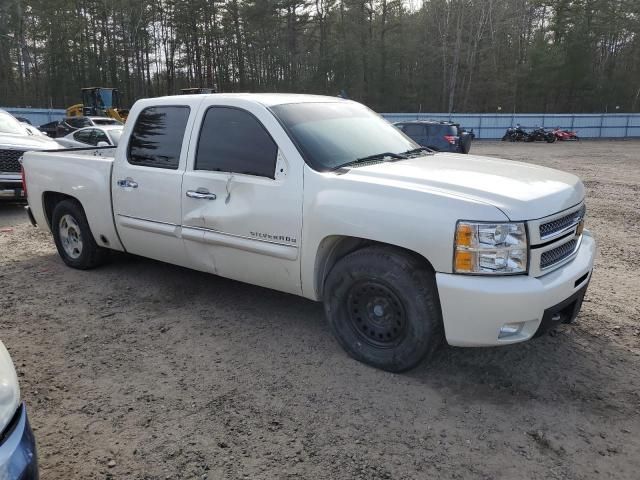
(156, 140)
(414, 130)
(100, 137)
(233, 140)
(83, 136)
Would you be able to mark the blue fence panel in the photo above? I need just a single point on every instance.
(37, 116)
(493, 125)
(485, 125)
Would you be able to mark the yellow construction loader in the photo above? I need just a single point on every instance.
(99, 102)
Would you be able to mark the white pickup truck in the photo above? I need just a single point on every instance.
(321, 197)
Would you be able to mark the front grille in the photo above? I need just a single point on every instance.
(555, 255)
(550, 228)
(9, 160)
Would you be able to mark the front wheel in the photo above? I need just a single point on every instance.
(382, 306)
(73, 237)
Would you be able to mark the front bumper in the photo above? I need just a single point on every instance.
(476, 308)
(11, 185)
(18, 457)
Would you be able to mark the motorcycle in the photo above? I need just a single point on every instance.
(539, 134)
(515, 134)
(563, 135)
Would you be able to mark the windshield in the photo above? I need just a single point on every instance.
(115, 136)
(333, 134)
(8, 124)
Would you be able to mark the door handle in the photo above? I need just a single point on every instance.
(127, 182)
(201, 195)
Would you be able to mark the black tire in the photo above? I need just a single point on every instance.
(89, 254)
(383, 308)
(465, 143)
(551, 138)
(505, 138)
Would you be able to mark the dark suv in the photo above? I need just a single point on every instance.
(439, 136)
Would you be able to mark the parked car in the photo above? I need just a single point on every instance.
(18, 456)
(92, 136)
(438, 136)
(321, 197)
(50, 129)
(15, 139)
(71, 124)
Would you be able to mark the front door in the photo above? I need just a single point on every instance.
(242, 197)
(147, 184)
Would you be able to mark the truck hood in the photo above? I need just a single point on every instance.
(521, 190)
(27, 142)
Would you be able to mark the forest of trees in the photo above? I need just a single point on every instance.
(393, 55)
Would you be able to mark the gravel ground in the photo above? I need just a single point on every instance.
(143, 370)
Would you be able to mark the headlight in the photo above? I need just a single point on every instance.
(9, 389)
(490, 248)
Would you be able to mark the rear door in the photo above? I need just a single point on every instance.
(147, 182)
(242, 197)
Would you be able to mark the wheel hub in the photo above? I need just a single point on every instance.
(70, 236)
(376, 314)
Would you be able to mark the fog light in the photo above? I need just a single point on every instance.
(510, 329)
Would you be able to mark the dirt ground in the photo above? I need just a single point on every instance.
(142, 370)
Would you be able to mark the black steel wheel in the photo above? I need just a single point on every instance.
(376, 313)
(383, 308)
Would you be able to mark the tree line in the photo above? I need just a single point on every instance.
(393, 55)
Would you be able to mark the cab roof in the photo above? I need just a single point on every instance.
(266, 99)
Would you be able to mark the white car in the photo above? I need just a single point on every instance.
(321, 197)
(107, 136)
(18, 455)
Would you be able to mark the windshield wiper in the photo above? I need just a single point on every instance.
(375, 156)
(425, 150)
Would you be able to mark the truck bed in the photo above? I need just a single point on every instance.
(82, 174)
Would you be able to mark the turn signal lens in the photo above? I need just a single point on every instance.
(464, 261)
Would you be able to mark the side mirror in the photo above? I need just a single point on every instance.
(103, 144)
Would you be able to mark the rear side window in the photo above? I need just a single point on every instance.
(100, 136)
(442, 130)
(156, 140)
(83, 136)
(233, 140)
(414, 130)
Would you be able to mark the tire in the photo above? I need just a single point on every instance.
(505, 138)
(73, 238)
(465, 143)
(383, 308)
(551, 138)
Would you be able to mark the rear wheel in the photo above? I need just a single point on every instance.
(382, 306)
(73, 237)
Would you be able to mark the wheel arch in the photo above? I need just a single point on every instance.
(334, 247)
(49, 201)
